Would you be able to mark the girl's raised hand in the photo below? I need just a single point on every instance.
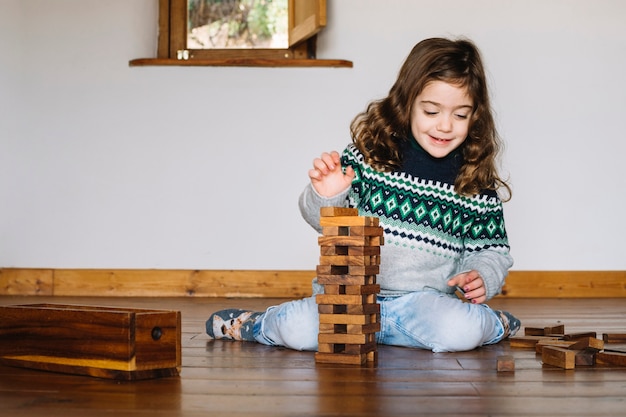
(327, 177)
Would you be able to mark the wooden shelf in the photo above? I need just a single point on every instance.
(241, 62)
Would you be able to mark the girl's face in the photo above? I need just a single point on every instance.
(440, 117)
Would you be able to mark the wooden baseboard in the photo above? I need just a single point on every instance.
(269, 283)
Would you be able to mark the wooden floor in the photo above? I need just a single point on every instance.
(221, 378)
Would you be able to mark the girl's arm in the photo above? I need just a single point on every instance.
(487, 260)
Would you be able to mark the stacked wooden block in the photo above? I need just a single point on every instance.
(348, 311)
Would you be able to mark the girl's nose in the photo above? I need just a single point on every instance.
(444, 124)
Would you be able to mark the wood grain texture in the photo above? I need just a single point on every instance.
(222, 378)
(271, 283)
(107, 342)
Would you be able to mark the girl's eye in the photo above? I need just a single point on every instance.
(462, 116)
(430, 113)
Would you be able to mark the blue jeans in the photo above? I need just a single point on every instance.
(424, 319)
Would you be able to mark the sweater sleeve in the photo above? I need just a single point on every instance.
(311, 201)
(487, 248)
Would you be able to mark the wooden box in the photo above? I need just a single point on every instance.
(105, 342)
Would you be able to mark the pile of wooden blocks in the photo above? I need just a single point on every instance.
(349, 262)
(570, 350)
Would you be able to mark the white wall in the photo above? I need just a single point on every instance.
(107, 166)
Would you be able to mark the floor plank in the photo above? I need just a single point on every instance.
(248, 379)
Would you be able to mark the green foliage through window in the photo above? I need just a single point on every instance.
(237, 24)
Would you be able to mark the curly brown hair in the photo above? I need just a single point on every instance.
(378, 131)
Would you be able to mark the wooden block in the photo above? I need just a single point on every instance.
(343, 358)
(611, 358)
(355, 270)
(556, 329)
(349, 260)
(338, 338)
(533, 331)
(330, 328)
(580, 335)
(618, 348)
(345, 299)
(371, 231)
(349, 349)
(614, 337)
(362, 289)
(556, 356)
(587, 343)
(461, 295)
(348, 221)
(348, 318)
(350, 241)
(346, 279)
(356, 309)
(327, 348)
(338, 211)
(359, 349)
(351, 289)
(585, 357)
(552, 342)
(363, 328)
(350, 250)
(527, 342)
(367, 231)
(505, 363)
(105, 342)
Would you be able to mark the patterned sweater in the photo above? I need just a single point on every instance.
(431, 233)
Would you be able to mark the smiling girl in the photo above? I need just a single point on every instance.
(423, 160)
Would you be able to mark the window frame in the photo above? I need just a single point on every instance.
(306, 19)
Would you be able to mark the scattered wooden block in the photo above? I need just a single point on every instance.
(556, 329)
(533, 331)
(505, 363)
(552, 342)
(618, 348)
(614, 337)
(528, 342)
(105, 342)
(590, 343)
(611, 358)
(556, 356)
(461, 295)
(577, 336)
(585, 357)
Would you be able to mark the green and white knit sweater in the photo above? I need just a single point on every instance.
(431, 232)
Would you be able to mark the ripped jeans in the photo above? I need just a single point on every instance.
(426, 319)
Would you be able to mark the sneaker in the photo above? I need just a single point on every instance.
(510, 323)
(232, 324)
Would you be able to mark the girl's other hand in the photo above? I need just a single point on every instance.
(472, 284)
(327, 177)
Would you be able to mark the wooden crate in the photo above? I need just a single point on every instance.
(105, 342)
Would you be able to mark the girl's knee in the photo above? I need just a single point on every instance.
(458, 335)
(301, 334)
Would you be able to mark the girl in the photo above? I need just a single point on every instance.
(422, 161)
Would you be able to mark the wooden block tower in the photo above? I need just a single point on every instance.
(349, 262)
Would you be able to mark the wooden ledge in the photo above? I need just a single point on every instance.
(241, 62)
(270, 283)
